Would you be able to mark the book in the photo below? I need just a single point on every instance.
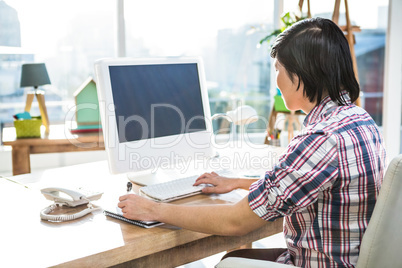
(86, 129)
(119, 215)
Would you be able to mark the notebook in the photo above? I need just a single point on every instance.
(119, 215)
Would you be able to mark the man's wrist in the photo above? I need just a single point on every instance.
(157, 211)
(244, 183)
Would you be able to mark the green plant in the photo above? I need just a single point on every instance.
(288, 20)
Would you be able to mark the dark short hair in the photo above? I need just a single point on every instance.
(317, 52)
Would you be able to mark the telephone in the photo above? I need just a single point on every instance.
(70, 198)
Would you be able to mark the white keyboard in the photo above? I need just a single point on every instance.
(178, 188)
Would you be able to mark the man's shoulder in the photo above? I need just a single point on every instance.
(340, 119)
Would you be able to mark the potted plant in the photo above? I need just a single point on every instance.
(288, 19)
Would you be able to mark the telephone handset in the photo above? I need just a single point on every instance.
(70, 198)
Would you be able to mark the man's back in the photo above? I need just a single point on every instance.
(326, 185)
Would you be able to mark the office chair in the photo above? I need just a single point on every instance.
(381, 242)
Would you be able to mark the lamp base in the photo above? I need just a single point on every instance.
(40, 96)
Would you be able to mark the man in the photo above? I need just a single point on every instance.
(327, 181)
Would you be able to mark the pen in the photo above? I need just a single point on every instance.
(129, 187)
(252, 176)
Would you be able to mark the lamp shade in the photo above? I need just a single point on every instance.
(34, 75)
(243, 115)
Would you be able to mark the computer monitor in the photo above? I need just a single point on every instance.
(154, 112)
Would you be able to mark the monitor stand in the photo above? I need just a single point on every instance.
(149, 177)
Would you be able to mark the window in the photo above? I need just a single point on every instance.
(74, 34)
(66, 35)
(369, 46)
(226, 35)
(70, 35)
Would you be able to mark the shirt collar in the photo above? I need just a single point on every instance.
(323, 107)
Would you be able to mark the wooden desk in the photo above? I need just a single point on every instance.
(59, 140)
(96, 240)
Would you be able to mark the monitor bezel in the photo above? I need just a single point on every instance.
(158, 151)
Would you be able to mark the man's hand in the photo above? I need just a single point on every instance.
(137, 208)
(221, 185)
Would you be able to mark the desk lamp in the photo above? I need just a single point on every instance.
(242, 115)
(34, 75)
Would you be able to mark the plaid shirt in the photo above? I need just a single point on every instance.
(325, 186)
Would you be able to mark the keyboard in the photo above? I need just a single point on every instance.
(178, 188)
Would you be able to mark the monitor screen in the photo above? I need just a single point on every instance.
(154, 112)
(157, 100)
